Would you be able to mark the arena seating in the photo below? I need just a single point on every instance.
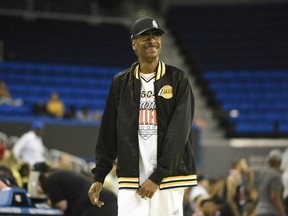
(77, 85)
(256, 102)
(65, 42)
(78, 7)
(75, 59)
(232, 36)
(238, 54)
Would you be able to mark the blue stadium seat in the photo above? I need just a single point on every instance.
(77, 85)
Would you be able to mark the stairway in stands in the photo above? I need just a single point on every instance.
(211, 133)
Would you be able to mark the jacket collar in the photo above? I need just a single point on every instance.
(161, 69)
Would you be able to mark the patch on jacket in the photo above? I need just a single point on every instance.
(166, 92)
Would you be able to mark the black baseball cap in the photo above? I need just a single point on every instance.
(144, 24)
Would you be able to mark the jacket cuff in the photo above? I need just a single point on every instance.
(157, 176)
(98, 175)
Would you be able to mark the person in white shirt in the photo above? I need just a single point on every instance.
(30, 148)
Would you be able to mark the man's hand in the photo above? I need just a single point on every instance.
(147, 189)
(94, 193)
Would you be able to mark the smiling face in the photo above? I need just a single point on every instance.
(148, 46)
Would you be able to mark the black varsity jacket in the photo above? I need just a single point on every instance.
(118, 135)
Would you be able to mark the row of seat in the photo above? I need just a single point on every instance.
(82, 7)
(64, 42)
(240, 86)
(253, 117)
(243, 59)
(21, 82)
(251, 96)
(25, 82)
(247, 105)
(222, 38)
(258, 129)
(246, 74)
(31, 68)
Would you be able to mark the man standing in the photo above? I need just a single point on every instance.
(269, 186)
(235, 189)
(146, 125)
(30, 148)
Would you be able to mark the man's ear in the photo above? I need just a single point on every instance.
(134, 45)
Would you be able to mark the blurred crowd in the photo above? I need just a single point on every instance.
(54, 178)
(245, 191)
(26, 163)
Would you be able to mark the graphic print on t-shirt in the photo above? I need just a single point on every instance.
(147, 109)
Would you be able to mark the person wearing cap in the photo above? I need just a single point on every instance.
(146, 125)
(29, 148)
(269, 186)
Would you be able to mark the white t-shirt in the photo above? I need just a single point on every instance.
(29, 148)
(147, 131)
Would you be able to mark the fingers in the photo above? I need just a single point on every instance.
(147, 189)
(145, 194)
(94, 193)
(98, 203)
(95, 200)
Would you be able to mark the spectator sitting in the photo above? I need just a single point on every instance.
(4, 92)
(5, 96)
(85, 114)
(39, 108)
(55, 106)
(71, 113)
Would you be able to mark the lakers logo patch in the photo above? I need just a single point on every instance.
(166, 92)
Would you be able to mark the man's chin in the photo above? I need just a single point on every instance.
(153, 53)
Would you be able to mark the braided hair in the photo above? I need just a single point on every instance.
(130, 80)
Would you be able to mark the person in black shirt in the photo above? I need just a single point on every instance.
(67, 191)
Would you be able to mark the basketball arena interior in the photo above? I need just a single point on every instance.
(235, 52)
